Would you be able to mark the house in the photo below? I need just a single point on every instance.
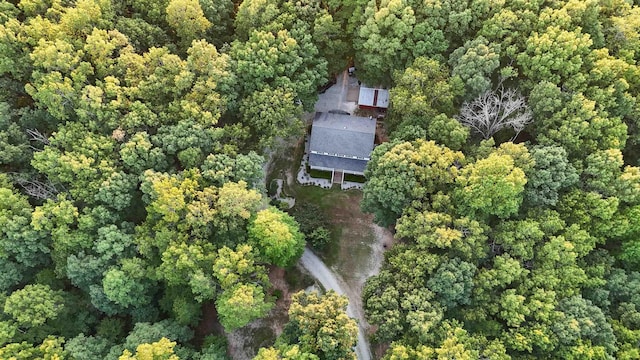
(341, 144)
(373, 98)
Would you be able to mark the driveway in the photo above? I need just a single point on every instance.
(341, 96)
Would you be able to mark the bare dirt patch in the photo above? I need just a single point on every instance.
(362, 243)
(208, 324)
(353, 93)
(359, 252)
(381, 132)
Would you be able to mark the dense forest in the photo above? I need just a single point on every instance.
(133, 138)
(511, 180)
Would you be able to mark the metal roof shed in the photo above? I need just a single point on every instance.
(373, 97)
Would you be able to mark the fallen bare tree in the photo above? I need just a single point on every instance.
(38, 189)
(36, 135)
(496, 110)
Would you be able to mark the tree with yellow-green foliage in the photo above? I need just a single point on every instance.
(412, 171)
(277, 237)
(491, 186)
(240, 304)
(318, 325)
(160, 350)
(187, 19)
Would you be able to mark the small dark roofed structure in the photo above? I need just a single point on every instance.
(341, 143)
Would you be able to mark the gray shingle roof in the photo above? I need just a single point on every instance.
(342, 135)
(341, 141)
(332, 162)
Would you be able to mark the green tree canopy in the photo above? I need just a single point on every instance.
(321, 326)
(34, 305)
(277, 237)
(491, 186)
(400, 173)
(240, 304)
(187, 19)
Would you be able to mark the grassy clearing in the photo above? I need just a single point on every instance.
(349, 250)
(351, 234)
(325, 199)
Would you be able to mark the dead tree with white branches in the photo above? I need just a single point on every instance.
(37, 136)
(496, 110)
(38, 189)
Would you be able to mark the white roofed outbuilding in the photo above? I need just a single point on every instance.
(373, 98)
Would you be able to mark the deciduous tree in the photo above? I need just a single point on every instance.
(557, 56)
(271, 114)
(240, 304)
(491, 186)
(129, 285)
(322, 326)
(573, 122)
(551, 174)
(475, 63)
(390, 22)
(22, 248)
(160, 350)
(233, 267)
(187, 19)
(452, 283)
(400, 173)
(34, 305)
(279, 60)
(277, 237)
